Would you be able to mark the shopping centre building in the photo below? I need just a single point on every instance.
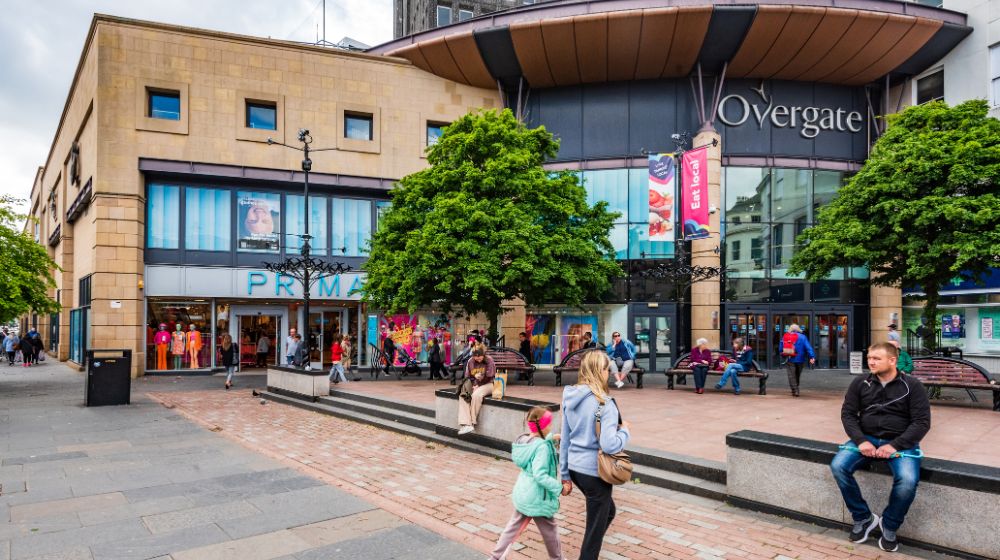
(161, 198)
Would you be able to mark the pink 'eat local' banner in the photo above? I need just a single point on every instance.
(694, 193)
(661, 197)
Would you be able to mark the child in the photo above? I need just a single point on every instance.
(536, 492)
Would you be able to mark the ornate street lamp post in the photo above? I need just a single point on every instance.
(304, 268)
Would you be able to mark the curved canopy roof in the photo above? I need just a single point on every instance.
(568, 42)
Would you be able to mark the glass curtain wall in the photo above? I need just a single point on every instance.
(627, 192)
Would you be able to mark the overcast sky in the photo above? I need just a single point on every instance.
(41, 41)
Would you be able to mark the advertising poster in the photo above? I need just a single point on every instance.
(541, 330)
(259, 225)
(694, 193)
(573, 328)
(410, 334)
(989, 321)
(661, 197)
(953, 326)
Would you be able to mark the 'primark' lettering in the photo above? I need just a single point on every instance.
(810, 120)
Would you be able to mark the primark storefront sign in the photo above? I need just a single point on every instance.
(760, 107)
(245, 283)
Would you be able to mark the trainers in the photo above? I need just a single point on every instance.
(887, 541)
(861, 531)
(465, 430)
(619, 384)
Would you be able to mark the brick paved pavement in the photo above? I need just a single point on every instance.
(465, 497)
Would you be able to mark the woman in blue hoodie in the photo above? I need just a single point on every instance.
(582, 404)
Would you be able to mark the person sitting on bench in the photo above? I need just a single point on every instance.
(886, 414)
(479, 372)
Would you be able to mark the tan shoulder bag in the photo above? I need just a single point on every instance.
(613, 468)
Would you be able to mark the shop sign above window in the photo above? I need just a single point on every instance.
(737, 110)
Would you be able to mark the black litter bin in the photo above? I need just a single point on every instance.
(109, 377)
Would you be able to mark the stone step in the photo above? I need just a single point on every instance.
(387, 413)
(383, 402)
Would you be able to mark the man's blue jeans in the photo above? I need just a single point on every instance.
(733, 371)
(905, 475)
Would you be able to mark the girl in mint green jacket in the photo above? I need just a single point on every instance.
(536, 492)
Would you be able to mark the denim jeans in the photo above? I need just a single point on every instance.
(734, 371)
(905, 476)
(337, 373)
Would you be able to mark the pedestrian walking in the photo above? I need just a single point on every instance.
(230, 357)
(479, 373)
(701, 360)
(524, 346)
(337, 355)
(581, 405)
(885, 414)
(794, 348)
(300, 356)
(290, 344)
(389, 349)
(622, 353)
(10, 346)
(743, 363)
(435, 357)
(893, 333)
(536, 492)
(345, 359)
(263, 349)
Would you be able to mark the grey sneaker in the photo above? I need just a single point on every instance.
(860, 532)
(888, 541)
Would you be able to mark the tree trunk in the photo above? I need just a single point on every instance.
(930, 317)
(493, 336)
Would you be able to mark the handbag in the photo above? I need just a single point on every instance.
(613, 468)
(499, 385)
(41, 356)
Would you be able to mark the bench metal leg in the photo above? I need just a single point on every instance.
(638, 376)
(531, 378)
(558, 379)
(682, 379)
(972, 395)
(763, 385)
(670, 381)
(996, 400)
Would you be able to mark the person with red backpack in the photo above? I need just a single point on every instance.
(794, 349)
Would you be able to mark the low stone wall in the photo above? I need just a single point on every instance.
(310, 384)
(499, 423)
(956, 509)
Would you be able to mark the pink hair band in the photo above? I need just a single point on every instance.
(542, 423)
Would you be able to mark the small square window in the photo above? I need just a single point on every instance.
(464, 15)
(262, 116)
(443, 15)
(930, 88)
(164, 105)
(434, 131)
(358, 126)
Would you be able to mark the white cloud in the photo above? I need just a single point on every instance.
(49, 36)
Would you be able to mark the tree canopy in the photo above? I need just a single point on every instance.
(25, 268)
(923, 210)
(485, 223)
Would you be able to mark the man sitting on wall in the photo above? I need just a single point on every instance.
(886, 414)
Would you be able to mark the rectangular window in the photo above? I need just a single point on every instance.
(208, 219)
(295, 209)
(177, 319)
(434, 131)
(259, 222)
(163, 216)
(443, 15)
(83, 294)
(381, 207)
(995, 74)
(358, 126)
(734, 249)
(262, 115)
(757, 252)
(464, 15)
(164, 104)
(351, 224)
(930, 88)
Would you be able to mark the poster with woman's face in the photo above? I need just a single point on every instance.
(259, 221)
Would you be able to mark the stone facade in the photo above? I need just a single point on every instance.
(215, 72)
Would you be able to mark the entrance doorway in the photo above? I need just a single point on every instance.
(751, 326)
(652, 331)
(830, 331)
(250, 324)
(325, 324)
(830, 341)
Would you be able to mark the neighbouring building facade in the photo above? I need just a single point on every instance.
(161, 178)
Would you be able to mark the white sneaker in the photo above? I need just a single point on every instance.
(465, 430)
(619, 384)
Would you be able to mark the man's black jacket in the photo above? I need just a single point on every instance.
(899, 412)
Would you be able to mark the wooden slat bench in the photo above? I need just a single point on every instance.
(571, 363)
(682, 367)
(953, 372)
(506, 359)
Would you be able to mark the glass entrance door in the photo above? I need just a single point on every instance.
(829, 339)
(653, 337)
(324, 326)
(780, 324)
(751, 327)
(252, 330)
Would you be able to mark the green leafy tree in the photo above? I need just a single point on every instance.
(25, 268)
(485, 223)
(923, 210)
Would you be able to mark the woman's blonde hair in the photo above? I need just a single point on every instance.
(594, 373)
(227, 341)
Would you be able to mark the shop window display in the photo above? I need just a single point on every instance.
(178, 336)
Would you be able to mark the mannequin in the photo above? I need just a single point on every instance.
(177, 345)
(162, 340)
(194, 346)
